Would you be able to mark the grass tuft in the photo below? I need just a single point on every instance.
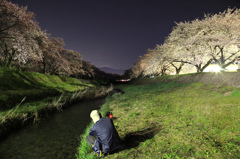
(84, 150)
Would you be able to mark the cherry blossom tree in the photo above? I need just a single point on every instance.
(214, 38)
(165, 54)
(74, 60)
(186, 46)
(221, 36)
(138, 68)
(18, 32)
(87, 69)
(157, 62)
(52, 62)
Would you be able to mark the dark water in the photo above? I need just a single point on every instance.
(54, 138)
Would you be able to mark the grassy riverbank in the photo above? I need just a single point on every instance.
(172, 120)
(15, 85)
(27, 96)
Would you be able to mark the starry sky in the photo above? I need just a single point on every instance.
(114, 33)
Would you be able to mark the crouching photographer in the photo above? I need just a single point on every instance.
(103, 136)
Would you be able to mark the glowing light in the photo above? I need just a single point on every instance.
(110, 116)
(213, 68)
(216, 68)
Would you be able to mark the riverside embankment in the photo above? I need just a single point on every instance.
(27, 97)
(214, 78)
(184, 116)
(53, 138)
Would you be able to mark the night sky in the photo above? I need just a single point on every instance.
(114, 33)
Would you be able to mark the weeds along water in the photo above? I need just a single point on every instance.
(53, 138)
(26, 97)
(15, 85)
(172, 120)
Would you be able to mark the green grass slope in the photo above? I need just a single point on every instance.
(15, 85)
(27, 97)
(214, 78)
(174, 120)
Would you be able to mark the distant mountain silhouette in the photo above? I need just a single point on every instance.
(112, 70)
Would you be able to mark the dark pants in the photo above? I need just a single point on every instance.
(90, 140)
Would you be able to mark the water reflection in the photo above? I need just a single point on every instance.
(54, 138)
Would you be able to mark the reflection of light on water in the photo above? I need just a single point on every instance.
(55, 137)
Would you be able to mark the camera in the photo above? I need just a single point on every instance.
(109, 115)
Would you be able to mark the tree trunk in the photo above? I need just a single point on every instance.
(44, 67)
(178, 69)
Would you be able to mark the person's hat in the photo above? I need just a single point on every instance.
(95, 116)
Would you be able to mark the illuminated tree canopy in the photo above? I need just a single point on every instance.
(215, 38)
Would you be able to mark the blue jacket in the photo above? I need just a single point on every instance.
(107, 137)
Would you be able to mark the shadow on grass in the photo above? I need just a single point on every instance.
(133, 139)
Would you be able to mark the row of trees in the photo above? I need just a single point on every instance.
(195, 44)
(23, 45)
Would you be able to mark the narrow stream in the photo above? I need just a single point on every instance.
(54, 138)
